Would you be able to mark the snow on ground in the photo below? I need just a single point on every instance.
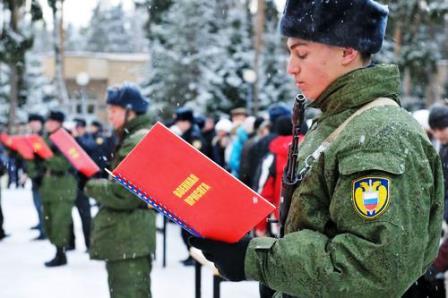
(23, 275)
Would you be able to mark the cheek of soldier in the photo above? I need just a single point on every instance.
(116, 116)
(35, 126)
(314, 66)
(51, 126)
(441, 135)
(183, 125)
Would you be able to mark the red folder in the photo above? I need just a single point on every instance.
(39, 146)
(7, 141)
(74, 153)
(21, 145)
(183, 184)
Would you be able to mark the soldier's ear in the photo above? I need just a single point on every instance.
(349, 55)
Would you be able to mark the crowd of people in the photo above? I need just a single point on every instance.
(366, 219)
(252, 148)
(93, 139)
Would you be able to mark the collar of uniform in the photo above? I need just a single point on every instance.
(137, 123)
(358, 88)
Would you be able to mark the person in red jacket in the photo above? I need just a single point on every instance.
(271, 172)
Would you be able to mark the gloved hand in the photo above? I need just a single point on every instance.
(228, 258)
(432, 274)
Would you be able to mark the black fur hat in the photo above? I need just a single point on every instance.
(36, 117)
(359, 24)
(184, 114)
(56, 116)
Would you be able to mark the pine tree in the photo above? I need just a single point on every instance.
(15, 41)
(5, 92)
(111, 30)
(414, 26)
(233, 26)
(155, 10)
(275, 85)
(74, 40)
(184, 56)
(40, 91)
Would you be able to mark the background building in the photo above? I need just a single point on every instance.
(88, 75)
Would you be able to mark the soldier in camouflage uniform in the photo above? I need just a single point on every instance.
(124, 229)
(35, 171)
(58, 193)
(366, 218)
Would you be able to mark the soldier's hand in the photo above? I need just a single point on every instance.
(432, 274)
(228, 258)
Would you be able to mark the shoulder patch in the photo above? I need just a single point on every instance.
(371, 196)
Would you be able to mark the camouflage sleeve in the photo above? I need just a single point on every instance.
(370, 255)
(58, 163)
(31, 168)
(112, 195)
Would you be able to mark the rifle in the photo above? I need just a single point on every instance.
(291, 176)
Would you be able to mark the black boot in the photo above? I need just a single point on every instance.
(188, 261)
(59, 260)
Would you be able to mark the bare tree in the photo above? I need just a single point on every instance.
(58, 34)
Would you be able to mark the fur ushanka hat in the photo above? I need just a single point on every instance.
(359, 24)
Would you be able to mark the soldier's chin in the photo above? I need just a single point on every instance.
(309, 95)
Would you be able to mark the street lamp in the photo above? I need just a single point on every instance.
(249, 77)
(83, 79)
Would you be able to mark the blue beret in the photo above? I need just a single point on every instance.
(359, 24)
(127, 96)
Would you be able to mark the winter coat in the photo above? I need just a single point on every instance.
(58, 183)
(272, 173)
(124, 227)
(246, 172)
(237, 148)
(219, 150)
(366, 219)
(194, 137)
(256, 154)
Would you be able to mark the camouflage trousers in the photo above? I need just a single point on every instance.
(57, 222)
(130, 278)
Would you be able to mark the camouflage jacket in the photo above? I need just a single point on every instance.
(124, 227)
(366, 219)
(58, 182)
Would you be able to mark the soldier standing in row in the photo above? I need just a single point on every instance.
(35, 170)
(365, 220)
(58, 192)
(82, 203)
(124, 229)
(105, 144)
